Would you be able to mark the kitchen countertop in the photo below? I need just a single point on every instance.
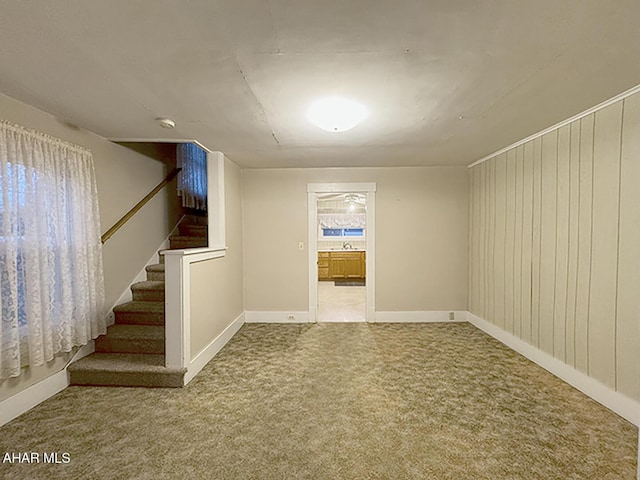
(341, 250)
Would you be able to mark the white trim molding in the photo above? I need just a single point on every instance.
(178, 302)
(23, 401)
(286, 316)
(580, 115)
(313, 189)
(216, 200)
(427, 316)
(206, 354)
(624, 406)
(28, 398)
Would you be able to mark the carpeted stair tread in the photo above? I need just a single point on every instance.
(140, 307)
(132, 339)
(155, 273)
(148, 291)
(195, 220)
(187, 229)
(120, 362)
(125, 369)
(183, 241)
(142, 331)
(186, 244)
(188, 237)
(148, 285)
(140, 313)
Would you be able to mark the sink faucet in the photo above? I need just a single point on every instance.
(346, 246)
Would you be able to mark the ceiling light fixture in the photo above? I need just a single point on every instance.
(336, 114)
(165, 122)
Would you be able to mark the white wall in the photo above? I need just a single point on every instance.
(421, 236)
(123, 178)
(555, 244)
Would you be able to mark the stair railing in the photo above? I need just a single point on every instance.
(127, 216)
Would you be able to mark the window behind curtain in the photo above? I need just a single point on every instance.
(50, 250)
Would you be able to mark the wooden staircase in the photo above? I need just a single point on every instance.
(132, 353)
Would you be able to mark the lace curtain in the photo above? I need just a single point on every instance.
(50, 250)
(192, 180)
(342, 220)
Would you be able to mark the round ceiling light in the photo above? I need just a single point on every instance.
(165, 122)
(336, 114)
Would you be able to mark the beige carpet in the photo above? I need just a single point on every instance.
(335, 401)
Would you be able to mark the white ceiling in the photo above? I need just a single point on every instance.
(238, 75)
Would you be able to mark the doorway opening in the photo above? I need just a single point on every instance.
(341, 252)
(341, 257)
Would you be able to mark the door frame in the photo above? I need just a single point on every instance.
(369, 189)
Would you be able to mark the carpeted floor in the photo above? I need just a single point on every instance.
(335, 401)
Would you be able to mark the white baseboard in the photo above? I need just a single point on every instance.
(28, 398)
(620, 404)
(428, 316)
(277, 317)
(83, 351)
(211, 350)
(25, 400)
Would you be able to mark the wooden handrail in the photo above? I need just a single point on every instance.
(127, 216)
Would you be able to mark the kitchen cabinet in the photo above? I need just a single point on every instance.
(341, 265)
(323, 266)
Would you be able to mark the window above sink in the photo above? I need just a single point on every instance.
(338, 233)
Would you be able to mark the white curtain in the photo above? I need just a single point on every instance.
(50, 250)
(342, 220)
(192, 180)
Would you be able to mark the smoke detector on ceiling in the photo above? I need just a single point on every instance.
(165, 122)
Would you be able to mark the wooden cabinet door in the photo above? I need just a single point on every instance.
(337, 267)
(353, 266)
(323, 266)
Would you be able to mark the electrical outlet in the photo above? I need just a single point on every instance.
(291, 317)
(452, 316)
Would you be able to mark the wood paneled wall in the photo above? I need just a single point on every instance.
(555, 244)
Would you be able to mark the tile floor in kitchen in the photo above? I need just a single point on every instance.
(341, 304)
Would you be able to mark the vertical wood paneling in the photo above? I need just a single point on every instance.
(527, 241)
(471, 223)
(555, 228)
(475, 243)
(517, 241)
(628, 302)
(509, 241)
(500, 229)
(562, 245)
(491, 247)
(483, 239)
(485, 256)
(583, 277)
(535, 247)
(604, 261)
(572, 263)
(549, 165)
